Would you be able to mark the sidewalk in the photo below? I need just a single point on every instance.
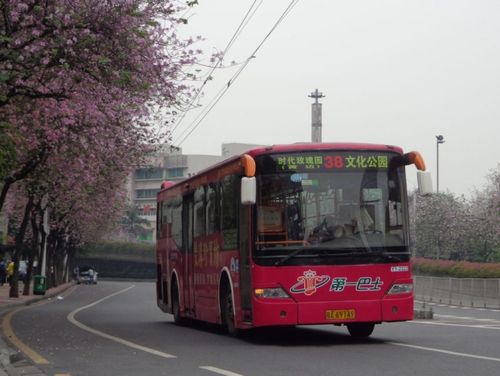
(6, 302)
(23, 367)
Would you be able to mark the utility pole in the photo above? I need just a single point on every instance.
(316, 116)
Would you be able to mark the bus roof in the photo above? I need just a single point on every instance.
(310, 146)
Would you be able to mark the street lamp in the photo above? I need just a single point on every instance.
(439, 140)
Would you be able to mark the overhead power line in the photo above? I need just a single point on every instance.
(248, 16)
(194, 125)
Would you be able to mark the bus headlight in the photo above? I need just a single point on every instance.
(271, 293)
(401, 288)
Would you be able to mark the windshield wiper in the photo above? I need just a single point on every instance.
(382, 254)
(340, 252)
(289, 256)
(356, 252)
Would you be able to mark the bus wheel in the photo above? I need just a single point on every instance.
(360, 330)
(176, 308)
(228, 312)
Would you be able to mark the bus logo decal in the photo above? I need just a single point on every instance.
(309, 283)
(362, 284)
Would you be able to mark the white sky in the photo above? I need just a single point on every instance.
(393, 72)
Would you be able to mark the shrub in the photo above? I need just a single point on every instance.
(119, 250)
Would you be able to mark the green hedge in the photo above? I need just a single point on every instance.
(457, 269)
(119, 251)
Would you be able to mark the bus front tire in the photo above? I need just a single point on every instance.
(228, 312)
(360, 330)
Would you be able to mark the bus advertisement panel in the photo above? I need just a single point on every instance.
(290, 235)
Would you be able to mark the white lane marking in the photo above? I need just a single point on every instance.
(457, 307)
(464, 355)
(458, 325)
(465, 318)
(220, 371)
(71, 318)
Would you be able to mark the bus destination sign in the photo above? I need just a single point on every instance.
(348, 161)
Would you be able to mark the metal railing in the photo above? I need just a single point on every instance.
(470, 292)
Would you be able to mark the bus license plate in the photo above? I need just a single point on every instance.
(341, 314)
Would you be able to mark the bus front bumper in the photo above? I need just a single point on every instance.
(289, 312)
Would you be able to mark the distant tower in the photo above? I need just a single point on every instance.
(316, 116)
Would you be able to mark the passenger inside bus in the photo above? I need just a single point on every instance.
(295, 222)
(329, 229)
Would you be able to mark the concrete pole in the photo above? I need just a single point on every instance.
(46, 230)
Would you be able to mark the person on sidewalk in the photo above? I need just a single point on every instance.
(3, 272)
(10, 271)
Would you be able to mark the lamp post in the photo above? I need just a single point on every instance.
(439, 140)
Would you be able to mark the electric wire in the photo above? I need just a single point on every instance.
(235, 36)
(194, 125)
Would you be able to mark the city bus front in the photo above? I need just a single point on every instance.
(331, 239)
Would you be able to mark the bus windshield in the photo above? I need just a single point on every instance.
(338, 206)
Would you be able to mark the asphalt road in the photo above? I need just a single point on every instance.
(115, 328)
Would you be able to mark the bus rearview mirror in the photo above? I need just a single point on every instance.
(248, 191)
(424, 180)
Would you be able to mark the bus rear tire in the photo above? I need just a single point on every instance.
(228, 312)
(360, 330)
(176, 307)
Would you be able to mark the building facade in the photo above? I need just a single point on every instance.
(169, 164)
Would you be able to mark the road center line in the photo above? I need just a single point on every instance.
(220, 371)
(71, 318)
(464, 355)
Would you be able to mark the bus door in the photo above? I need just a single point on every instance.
(187, 250)
(245, 282)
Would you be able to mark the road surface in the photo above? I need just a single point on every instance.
(115, 328)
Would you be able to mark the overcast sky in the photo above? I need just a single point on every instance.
(393, 72)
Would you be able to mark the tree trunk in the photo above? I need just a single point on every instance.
(14, 287)
(3, 193)
(25, 170)
(32, 254)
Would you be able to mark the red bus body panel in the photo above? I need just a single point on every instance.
(362, 288)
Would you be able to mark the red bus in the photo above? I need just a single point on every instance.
(289, 235)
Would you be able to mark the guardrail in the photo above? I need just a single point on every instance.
(469, 292)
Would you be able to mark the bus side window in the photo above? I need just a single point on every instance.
(177, 221)
(159, 206)
(213, 209)
(165, 219)
(199, 212)
(230, 207)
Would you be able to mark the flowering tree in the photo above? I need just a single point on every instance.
(80, 83)
(485, 211)
(69, 65)
(449, 227)
(440, 223)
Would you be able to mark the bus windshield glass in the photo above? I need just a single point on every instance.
(341, 206)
